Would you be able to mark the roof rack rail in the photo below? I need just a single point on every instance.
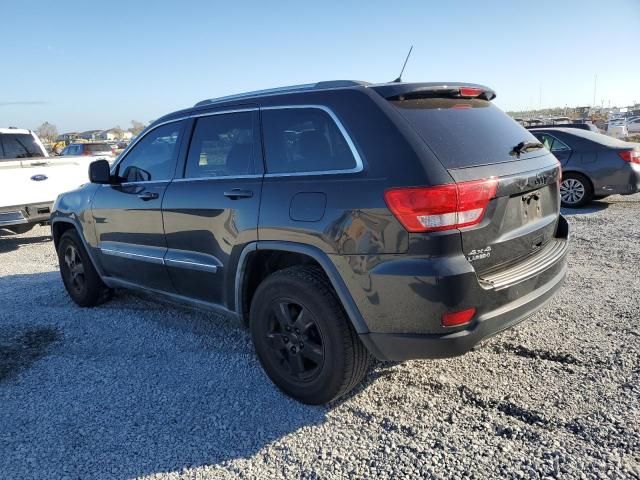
(290, 89)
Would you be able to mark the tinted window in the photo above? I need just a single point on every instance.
(97, 147)
(222, 145)
(19, 145)
(72, 150)
(304, 140)
(153, 157)
(552, 143)
(465, 132)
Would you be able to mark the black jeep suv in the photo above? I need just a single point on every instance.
(339, 220)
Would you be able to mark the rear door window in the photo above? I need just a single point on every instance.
(19, 145)
(304, 140)
(551, 143)
(223, 145)
(465, 132)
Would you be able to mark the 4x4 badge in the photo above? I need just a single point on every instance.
(479, 254)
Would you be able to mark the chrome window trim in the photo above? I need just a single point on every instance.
(142, 182)
(359, 167)
(359, 164)
(223, 112)
(222, 177)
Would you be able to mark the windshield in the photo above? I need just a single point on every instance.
(19, 145)
(465, 132)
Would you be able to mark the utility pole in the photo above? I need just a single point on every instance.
(540, 99)
(595, 81)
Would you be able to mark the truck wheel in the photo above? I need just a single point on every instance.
(303, 339)
(78, 274)
(575, 190)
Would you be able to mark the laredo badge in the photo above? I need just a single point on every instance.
(479, 254)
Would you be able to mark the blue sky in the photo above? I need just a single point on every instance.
(104, 65)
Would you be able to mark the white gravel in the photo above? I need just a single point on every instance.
(143, 389)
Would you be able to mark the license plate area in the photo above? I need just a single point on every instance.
(531, 206)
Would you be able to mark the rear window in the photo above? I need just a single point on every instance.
(19, 145)
(463, 132)
(98, 147)
(304, 140)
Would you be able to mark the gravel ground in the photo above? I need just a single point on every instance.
(142, 389)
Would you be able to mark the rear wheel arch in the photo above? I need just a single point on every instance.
(259, 260)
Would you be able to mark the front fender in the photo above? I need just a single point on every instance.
(73, 209)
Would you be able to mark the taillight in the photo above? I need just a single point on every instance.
(470, 92)
(631, 156)
(455, 319)
(443, 207)
(86, 152)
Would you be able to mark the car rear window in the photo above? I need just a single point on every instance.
(19, 145)
(98, 147)
(465, 132)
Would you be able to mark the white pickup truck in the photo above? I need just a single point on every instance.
(30, 180)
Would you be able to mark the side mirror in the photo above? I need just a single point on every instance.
(99, 172)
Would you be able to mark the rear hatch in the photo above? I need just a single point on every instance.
(98, 150)
(483, 148)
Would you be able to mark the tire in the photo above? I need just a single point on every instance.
(303, 339)
(22, 228)
(79, 276)
(575, 190)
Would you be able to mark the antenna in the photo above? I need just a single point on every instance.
(399, 79)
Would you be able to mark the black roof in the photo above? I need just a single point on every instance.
(387, 90)
(391, 91)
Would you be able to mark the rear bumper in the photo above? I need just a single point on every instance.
(388, 346)
(25, 214)
(626, 181)
(404, 299)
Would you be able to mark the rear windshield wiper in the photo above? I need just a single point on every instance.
(525, 147)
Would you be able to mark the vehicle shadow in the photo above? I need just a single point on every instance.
(593, 207)
(131, 388)
(10, 241)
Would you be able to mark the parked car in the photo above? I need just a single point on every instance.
(338, 220)
(96, 150)
(30, 180)
(593, 165)
(582, 126)
(617, 130)
(633, 125)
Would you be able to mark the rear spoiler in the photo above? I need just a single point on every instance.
(404, 91)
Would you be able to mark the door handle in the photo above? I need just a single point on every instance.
(146, 196)
(237, 193)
